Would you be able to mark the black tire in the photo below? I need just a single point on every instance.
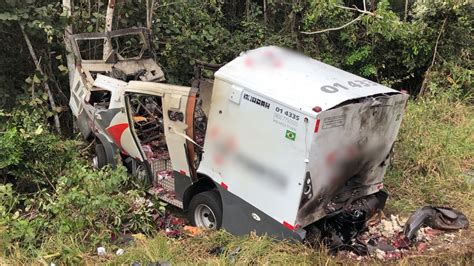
(100, 156)
(211, 200)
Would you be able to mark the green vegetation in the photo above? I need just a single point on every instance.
(434, 156)
(52, 200)
(55, 208)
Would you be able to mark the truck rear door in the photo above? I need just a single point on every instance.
(350, 152)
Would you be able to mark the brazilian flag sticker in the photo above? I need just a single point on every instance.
(290, 135)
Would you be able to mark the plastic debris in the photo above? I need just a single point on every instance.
(101, 251)
(119, 252)
(192, 230)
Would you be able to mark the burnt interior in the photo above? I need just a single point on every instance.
(100, 99)
(339, 230)
(147, 118)
(200, 126)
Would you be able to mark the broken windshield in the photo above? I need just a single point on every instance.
(127, 44)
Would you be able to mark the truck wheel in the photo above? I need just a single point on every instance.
(100, 158)
(205, 210)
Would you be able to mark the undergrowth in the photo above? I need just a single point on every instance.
(434, 156)
(53, 202)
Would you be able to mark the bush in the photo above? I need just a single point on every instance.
(49, 192)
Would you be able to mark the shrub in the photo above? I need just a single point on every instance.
(49, 191)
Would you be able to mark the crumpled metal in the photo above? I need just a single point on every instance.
(442, 218)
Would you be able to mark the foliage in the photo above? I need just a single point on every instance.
(384, 45)
(48, 189)
(435, 148)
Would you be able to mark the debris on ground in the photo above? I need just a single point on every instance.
(339, 231)
(192, 230)
(442, 218)
(101, 251)
(233, 253)
(119, 252)
(216, 251)
(390, 238)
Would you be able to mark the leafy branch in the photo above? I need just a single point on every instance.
(363, 12)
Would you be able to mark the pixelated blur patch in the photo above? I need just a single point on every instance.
(290, 135)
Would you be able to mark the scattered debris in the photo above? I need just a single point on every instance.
(389, 238)
(340, 229)
(233, 253)
(192, 230)
(443, 218)
(119, 252)
(101, 251)
(216, 251)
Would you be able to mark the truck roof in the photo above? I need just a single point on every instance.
(296, 80)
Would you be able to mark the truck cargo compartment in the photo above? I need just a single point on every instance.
(350, 151)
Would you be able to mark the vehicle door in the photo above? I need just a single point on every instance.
(178, 110)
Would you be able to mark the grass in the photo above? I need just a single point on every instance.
(195, 250)
(432, 159)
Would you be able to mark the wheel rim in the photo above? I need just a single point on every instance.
(204, 217)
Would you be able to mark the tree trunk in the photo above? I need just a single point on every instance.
(406, 10)
(57, 125)
(108, 27)
(150, 6)
(265, 12)
(247, 8)
(67, 7)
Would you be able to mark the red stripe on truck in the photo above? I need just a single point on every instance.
(224, 185)
(316, 127)
(116, 132)
(289, 226)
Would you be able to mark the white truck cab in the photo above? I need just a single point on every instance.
(276, 142)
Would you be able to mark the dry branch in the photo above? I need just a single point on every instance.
(333, 29)
(67, 7)
(57, 125)
(428, 71)
(363, 13)
(109, 16)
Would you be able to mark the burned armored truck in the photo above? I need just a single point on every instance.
(276, 142)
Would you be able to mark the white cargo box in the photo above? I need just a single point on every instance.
(297, 138)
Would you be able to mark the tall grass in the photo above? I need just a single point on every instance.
(434, 156)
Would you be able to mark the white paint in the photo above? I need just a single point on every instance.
(293, 79)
